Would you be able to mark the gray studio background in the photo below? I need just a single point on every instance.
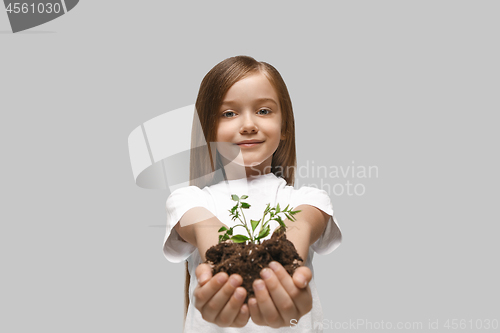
(410, 87)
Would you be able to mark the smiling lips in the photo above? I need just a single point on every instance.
(249, 143)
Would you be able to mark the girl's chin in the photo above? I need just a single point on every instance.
(251, 163)
(248, 165)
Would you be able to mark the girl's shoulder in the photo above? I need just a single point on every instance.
(186, 190)
(310, 190)
(310, 195)
(305, 190)
(188, 193)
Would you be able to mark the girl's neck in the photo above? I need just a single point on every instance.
(236, 171)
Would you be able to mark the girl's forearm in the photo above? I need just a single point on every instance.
(199, 227)
(307, 228)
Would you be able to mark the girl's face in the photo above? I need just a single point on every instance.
(250, 112)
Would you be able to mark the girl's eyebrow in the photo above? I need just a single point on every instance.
(262, 99)
(267, 99)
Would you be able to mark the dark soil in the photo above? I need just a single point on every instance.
(248, 260)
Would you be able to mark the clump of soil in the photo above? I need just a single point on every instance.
(248, 260)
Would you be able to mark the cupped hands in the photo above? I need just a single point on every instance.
(279, 297)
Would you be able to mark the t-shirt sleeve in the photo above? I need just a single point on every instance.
(178, 203)
(332, 236)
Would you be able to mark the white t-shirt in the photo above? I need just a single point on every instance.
(261, 190)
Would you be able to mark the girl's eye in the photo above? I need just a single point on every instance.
(227, 114)
(266, 111)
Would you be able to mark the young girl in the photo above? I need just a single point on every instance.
(245, 115)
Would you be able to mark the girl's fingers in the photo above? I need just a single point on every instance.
(232, 308)
(280, 297)
(255, 314)
(204, 293)
(266, 305)
(203, 273)
(242, 318)
(216, 304)
(302, 298)
(302, 276)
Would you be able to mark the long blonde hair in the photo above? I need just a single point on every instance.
(204, 161)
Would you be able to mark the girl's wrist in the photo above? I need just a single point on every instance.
(207, 234)
(300, 235)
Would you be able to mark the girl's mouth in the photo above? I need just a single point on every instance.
(249, 144)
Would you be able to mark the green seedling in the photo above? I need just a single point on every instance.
(258, 229)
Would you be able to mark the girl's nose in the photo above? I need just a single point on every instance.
(248, 125)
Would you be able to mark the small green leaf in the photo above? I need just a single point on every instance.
(234, 209)
(280, 221)
(254, 224)
(230, 231)
(264, 232)
(244, 196)
(278, 208)
(239, 238)
(267, 209)
(222, 229)
(225, 237)
(295, 212)
(235, 197)
(220, 238)
(245, 205)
